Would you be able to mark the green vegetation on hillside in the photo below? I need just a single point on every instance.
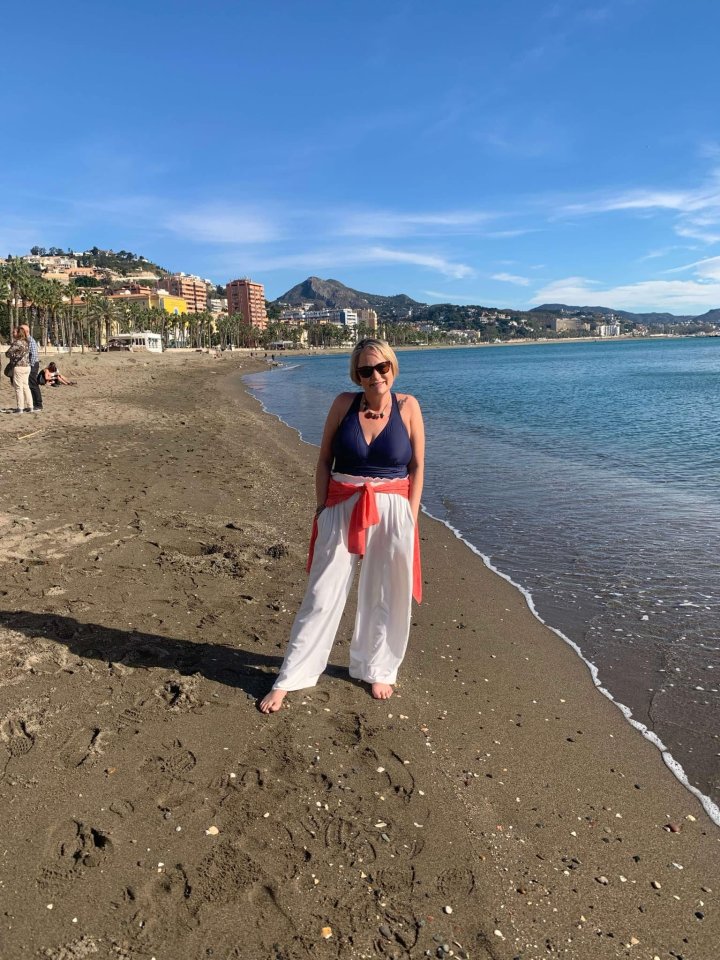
(122, 261)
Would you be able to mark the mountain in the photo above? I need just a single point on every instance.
(565, 308)
(334, 295)
(645, 318)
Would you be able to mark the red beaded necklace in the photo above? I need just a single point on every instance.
(370, 414)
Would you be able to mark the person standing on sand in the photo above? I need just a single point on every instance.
(34, 369)
(368, 484)
(19, 355)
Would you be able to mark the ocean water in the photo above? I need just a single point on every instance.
(589, 473)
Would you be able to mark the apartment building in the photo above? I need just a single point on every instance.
(218, 305)
(248, 299)
(348, 318)
(369, 318)
(191, 289)
(566, 325)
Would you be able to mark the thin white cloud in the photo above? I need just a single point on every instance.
(698, 210)
(444, 296)
(708, 269)
(509, 234)
(511, 278)
(225, 226)
(676, 296)
(387, 223)
(663, 252)
(695, 229)
(433, 262)
(633, 200)
(331, 257)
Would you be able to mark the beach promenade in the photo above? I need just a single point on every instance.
(154, 530)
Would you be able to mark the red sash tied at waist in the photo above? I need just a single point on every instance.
(364, 515)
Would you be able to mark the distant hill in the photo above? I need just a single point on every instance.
(646, 318)
(333, 295)
(122, 261)
(566, 308)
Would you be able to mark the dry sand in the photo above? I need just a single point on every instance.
(154, 528)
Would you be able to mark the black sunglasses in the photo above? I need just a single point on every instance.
(366, 372)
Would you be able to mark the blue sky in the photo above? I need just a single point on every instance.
(472, 151)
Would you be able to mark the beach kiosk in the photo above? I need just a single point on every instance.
(137, 340)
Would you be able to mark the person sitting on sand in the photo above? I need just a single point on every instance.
(368, 482)
(52, 377)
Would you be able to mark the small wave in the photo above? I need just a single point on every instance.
(712, 810)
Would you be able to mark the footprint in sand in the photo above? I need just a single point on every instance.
(76, 848)
(175, 763)
(395, 775)
(83, 748)
(17, 733)
(456, 883)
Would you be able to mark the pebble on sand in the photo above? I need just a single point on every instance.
(212, 831)
(326, 933)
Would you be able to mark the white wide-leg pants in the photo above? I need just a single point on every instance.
(382, 623)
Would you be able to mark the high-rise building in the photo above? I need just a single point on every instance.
(348, 318)
(247, 298)
(369, 318)
(191, 289)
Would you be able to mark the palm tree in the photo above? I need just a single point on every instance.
(106, 315)
(71, 291)
(17, 275)
(41, 300)
(54, 305)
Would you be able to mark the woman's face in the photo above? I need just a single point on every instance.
(377, 385)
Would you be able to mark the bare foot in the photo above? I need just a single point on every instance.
(382, 691)
(272, 702)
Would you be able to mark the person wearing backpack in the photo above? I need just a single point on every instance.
(18, 354)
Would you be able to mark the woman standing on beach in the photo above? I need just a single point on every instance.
(368, 485)
(19, 355)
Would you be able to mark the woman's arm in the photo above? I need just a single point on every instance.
(416, 467)
(340, 406)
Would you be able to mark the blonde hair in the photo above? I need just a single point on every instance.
(371, 343)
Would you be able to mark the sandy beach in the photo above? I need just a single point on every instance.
(154, 530)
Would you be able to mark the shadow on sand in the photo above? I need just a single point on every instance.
(253, 673)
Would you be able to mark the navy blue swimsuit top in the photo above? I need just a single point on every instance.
(387, 456)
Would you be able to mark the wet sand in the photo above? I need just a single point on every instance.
(154, 525)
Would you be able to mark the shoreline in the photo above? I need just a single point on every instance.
(145, 609)
(673, 764)
(339, 351)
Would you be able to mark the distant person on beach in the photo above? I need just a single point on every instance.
(34, 369)
(18, 353)
(368, 484)
(51, 377)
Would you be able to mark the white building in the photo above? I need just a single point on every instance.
(347, 318)
(61, 264)
(137, 340)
